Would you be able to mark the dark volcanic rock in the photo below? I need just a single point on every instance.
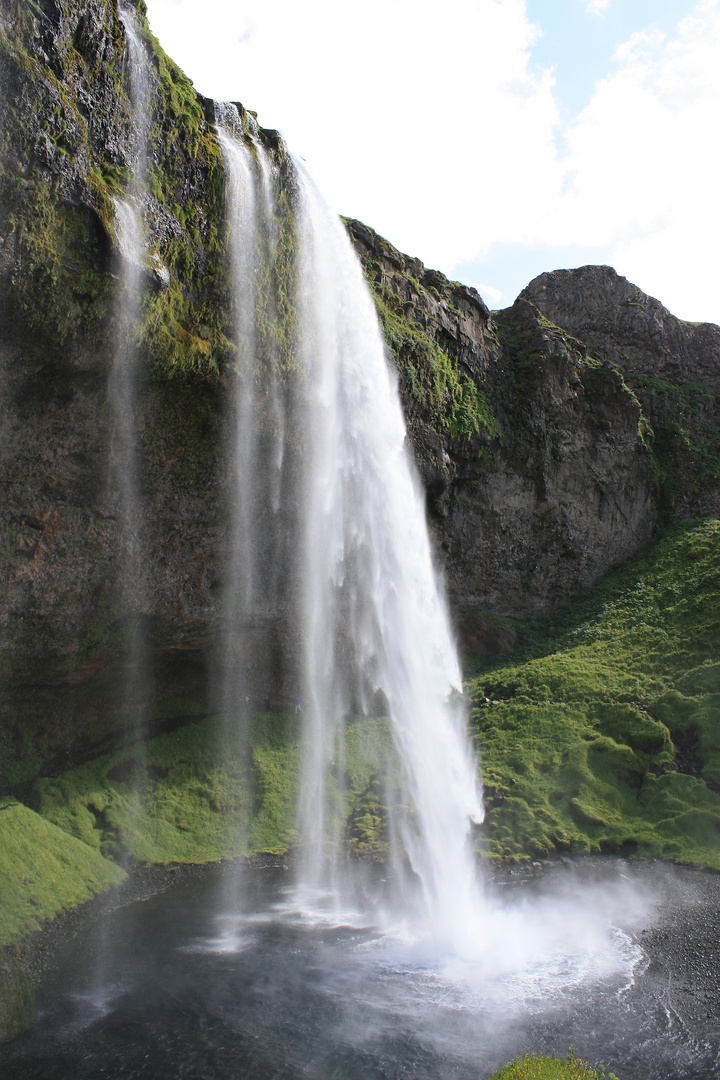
(565, 492)
(620, 323)
(559, 485)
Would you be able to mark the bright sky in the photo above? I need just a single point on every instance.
(493, 139)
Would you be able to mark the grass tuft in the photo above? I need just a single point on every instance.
(44, 871)
(551, 1068)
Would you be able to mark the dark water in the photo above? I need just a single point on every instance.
(619, 961)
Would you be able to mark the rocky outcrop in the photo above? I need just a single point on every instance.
(672, 366)
(454, 315)
(620, 323)
(565, 490)
(442, 339)
(65, 594)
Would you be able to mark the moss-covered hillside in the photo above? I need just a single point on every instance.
(601, 730)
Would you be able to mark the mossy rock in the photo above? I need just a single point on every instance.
(602, 729)
(551, 1068)
(18, 1010)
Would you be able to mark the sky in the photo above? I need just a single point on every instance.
(493, 139)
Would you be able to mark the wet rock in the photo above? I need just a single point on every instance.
(17, 1000)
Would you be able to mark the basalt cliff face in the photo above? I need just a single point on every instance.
(548, 436)
(595, 417)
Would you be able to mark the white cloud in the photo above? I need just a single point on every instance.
(489, 293)
(436, 129)
(428, 126)
(597, 7)
(643, 163)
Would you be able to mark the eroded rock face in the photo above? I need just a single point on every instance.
(567, 490)
(672, 366)
(436, 313)
(620, 323)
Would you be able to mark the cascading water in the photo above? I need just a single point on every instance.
(255, 453)
(374, 619)
(254, 579)
(371, 622)
(242, 457)
(123, 486)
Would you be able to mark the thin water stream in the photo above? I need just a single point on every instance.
(267, 988)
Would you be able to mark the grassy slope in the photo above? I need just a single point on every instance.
(44, 871)
(600, 732)
(197, 795)
(602, 729)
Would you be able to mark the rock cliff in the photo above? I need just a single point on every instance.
(619, 323)
(550, 480)
(547, 436)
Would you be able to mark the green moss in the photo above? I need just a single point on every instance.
(452, 401)
(162, 802)
(56, 290)
(44, 870)
(684, 435)
(276, 765)
(186, 797)
(551, 1068)
(602, 730)
(167, 334)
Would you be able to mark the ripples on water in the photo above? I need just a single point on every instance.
(284, 986)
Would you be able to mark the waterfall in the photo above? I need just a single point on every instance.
(123, 484)
(373, 630)
(374, 618)
(255, 453)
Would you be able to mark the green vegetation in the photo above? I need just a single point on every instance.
(184, 797)
(551, 1068)
(685, 427)
(167, 800)
(55, 287)
(212, 790)
(44, 871)
(452, 401)
(601, 731)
